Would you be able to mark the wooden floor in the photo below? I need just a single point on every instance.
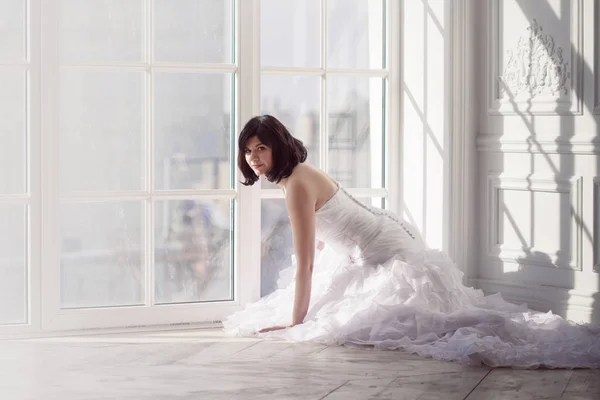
(204, 364)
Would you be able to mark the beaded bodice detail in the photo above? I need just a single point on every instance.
(365, 234)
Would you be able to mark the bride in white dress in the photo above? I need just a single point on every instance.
(376, 283)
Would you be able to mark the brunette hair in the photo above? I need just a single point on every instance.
(287, 150)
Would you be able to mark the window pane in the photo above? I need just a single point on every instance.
(13, 264)
(355, 33)
(13, 31)
(13, 131)
(102, 254)
(277, 245)
(193, 251)
(295, 101)
(355, 123)
(102, 30)
(101, 130)
(193, 31)
(290, 33)
(192, 125)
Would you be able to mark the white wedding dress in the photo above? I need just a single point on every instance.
(377, 284)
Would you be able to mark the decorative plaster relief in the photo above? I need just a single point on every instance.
(536, 66)
(536, 75)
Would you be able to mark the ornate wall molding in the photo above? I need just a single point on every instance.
(597, 58)
(540, 77)
(532, 256)
(596, 226)
(463, 157)
(579, 144)
(535, 67)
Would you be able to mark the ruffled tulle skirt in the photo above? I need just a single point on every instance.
(419, 305)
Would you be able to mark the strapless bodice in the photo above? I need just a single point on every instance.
(366, 234)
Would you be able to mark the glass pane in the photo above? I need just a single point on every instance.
(102, 254)
(193, 251)
(101, 130)
(13, 131)
(355, 123)
(193, 129)
(296, 102)
(13, 264)
(102, 30)
(355, 34)
(13, 31)
(193, 31)
(277, 245)
(290, 33)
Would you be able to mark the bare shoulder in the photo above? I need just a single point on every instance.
(310, 186)
(302, 186)
(299, 187)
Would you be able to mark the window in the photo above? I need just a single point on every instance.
(118, 143)
(325, 74)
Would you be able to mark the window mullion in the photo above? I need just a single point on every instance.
(50, 204)
(247, 260)
(324, 145)
(394, 109)
(149, 276)
(34, 168)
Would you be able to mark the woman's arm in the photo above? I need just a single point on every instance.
(301, 208)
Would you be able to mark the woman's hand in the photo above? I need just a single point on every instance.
(274, 328)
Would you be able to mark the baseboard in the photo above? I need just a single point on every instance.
(576, 305)
(112, 331)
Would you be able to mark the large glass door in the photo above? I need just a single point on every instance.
(120, 199)
(142, 169)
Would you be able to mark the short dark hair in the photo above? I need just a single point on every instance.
(287, 150)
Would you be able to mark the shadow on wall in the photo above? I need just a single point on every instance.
(560, 301)
(425, 115)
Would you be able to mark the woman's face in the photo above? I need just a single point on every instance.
(258, 156)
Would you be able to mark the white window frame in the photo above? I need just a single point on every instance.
(391, 135)
(45, 314)
(32, 197)
(54, 318)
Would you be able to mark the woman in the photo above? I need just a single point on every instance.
(376, 283)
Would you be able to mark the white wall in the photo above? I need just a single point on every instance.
(426, 67)
(538, 153)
